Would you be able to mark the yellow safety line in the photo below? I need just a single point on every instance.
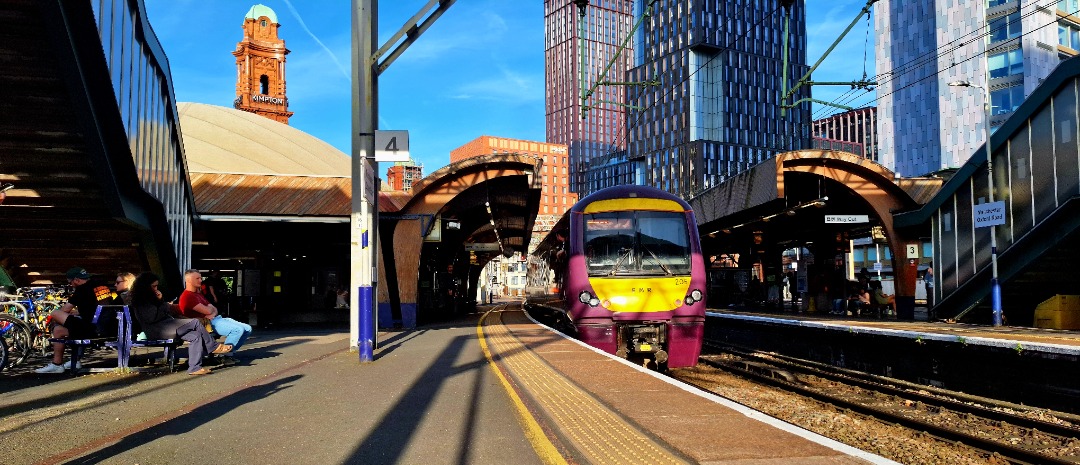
(545, 450)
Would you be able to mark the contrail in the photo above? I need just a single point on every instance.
(344, 72)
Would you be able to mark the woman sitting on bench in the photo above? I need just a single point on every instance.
(883, 300)
(154, 315)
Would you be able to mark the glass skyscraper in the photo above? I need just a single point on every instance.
(717, 110)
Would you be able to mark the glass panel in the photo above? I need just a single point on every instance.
(948, 247)
(964, 230)
(637, 243)
(998, 65)
(1065, 143)
(1042, 162)
(1018, 204)
(982, 235)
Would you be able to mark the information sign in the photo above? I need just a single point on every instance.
(989, 214)
(391, 146)
(844, 219)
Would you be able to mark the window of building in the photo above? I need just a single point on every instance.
(1006, 63)
(993, 3)
(1069, 6)
(1005, 27)
(264, 85)
(1069, 36)
(1006, 100)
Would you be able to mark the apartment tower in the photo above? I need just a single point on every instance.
(599, 130)
(926, 125)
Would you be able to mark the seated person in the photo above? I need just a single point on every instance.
(858, 300)
(193, 304)
(153, 314)
(881, 298)
(74, 320)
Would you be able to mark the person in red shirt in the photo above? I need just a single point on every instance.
(193, 304)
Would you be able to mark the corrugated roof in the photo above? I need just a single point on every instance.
(252, 194)
(281, 195)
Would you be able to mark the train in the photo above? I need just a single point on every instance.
(622, 271)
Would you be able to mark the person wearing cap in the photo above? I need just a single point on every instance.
(73, 319)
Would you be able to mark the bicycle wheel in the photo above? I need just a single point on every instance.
(18, 337)
(3, 354)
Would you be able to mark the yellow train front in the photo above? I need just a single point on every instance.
(624, 267)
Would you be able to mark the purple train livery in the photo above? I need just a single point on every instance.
(623, 270)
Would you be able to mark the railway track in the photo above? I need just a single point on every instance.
(1013, 433)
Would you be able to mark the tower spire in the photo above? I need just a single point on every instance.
(260, 67)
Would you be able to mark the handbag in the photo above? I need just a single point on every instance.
(206, 323)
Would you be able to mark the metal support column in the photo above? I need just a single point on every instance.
(365, 111)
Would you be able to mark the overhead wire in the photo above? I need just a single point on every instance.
(849, 96)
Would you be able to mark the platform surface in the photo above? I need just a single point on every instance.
(433, 395)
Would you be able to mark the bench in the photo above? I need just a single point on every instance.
(122, 342)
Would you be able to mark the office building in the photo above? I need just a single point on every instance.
(925, 125)
(717, 110)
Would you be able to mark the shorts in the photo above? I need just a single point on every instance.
(79, 328)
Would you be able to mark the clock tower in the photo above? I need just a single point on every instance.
(260, 67)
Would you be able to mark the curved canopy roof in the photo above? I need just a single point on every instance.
(225, 140)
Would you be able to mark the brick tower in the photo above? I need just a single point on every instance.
(260, 67)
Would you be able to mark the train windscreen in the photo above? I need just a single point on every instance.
(637, 243)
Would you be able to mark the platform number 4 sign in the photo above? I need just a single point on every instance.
(913, 251)
(391, 146)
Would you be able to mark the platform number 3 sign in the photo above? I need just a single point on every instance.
(913, 251)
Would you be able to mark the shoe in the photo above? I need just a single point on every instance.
(200, 371)
(67, 365)
(50, 368)
(222, 348)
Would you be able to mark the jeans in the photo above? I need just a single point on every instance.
(234, 331)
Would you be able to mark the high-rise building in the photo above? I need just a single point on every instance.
(924, 124)
(556, 197)
(853, 131)
(260, 67)
(717, 110)
(602, 130)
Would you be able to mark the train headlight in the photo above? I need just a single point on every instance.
(584, 297)
(587, 298)
(689, 300)
(696, 295)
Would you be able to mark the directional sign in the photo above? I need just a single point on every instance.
(843, 219)
(391, 146)
(989, 214)
(483, 247)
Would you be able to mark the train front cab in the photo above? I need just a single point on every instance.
(638, 277)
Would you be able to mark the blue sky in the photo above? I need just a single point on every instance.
(478, 71)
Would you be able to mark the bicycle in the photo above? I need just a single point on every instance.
(23, 326)
(18, 340)
(3, 354)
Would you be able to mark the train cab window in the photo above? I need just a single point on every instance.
(637, 243)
